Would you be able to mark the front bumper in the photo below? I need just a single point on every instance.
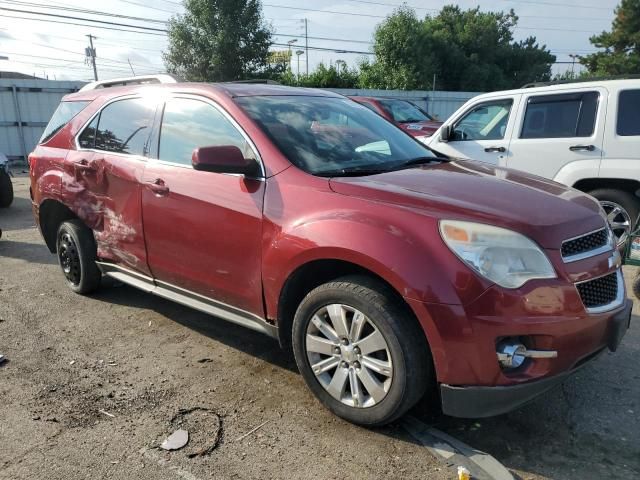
(487, 401)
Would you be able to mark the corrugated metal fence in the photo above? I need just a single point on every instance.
(26, 106)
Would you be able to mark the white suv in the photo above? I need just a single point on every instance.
(585, 135)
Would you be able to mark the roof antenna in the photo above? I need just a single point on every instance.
(134, 73)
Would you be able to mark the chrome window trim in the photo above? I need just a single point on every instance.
(608, 247)
(620, 297)
(88, 122)
(225, 114)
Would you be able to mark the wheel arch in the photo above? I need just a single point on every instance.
(314, 273)
(589, 184)
(51, 215)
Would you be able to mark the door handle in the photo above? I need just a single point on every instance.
(158, 187)
(495, 149)
(587, 148)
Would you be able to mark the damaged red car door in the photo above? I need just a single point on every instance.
(108, 169)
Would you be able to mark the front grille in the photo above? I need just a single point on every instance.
(585, 243)
(599, 292)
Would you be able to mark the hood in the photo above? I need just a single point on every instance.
(543, 210)
(418, 129)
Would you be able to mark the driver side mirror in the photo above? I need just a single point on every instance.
(445, 133)
(224, 159)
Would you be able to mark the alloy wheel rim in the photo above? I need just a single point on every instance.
(349, 356)
(69, 259)
(619, 220)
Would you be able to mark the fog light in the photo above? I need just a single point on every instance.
(513, 354)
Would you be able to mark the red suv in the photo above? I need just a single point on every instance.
(413, 120)
(303, 215)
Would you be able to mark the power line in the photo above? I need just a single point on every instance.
(322, 11)
(147, 6)
(556, 4)
(81, 25)
(68, 17)
(83, 10)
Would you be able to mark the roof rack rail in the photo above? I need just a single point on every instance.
(139, 80)
(263, 81)
(582, 80)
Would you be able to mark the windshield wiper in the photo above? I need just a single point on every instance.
(419, 161)
(352, 172)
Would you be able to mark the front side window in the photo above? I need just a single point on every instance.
(122, 127)
(561, 116)
(403, 111)
(629, 113)
(63, 114)
(487, 121)
(332, 136)
(188, 124)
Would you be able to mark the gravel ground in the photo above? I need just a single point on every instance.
(92, 385)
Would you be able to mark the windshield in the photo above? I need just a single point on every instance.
(330, 136)
(404, 112)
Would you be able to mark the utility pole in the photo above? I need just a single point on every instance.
(291, 42)
(91, 54)
(573, 63)
(306, 44)
(298, 53)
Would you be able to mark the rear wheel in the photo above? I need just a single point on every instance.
(622, 211)
(360, 352)
(76, 249)
(6, 189)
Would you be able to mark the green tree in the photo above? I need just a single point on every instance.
(332, 76)
(465, 50)
(218, 40)
(621, 45)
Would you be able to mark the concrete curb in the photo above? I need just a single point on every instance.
(454, 453)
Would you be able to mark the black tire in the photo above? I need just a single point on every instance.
(76, 251)
(409, 351)
(629, 202)
(636, 286)
(6, 190)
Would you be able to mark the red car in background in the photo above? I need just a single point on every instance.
(403, 113)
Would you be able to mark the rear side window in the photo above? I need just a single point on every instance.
(561, 116)
(629, 113)
(188, 124)
(63, 114)
(122, 127)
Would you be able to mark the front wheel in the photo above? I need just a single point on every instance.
(76, 249)
(360, 351)
(622, 211)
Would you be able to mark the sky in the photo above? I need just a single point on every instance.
(57, 51)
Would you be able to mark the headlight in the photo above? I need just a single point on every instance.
(499, 255)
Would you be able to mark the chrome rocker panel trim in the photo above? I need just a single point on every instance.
(188, 298)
